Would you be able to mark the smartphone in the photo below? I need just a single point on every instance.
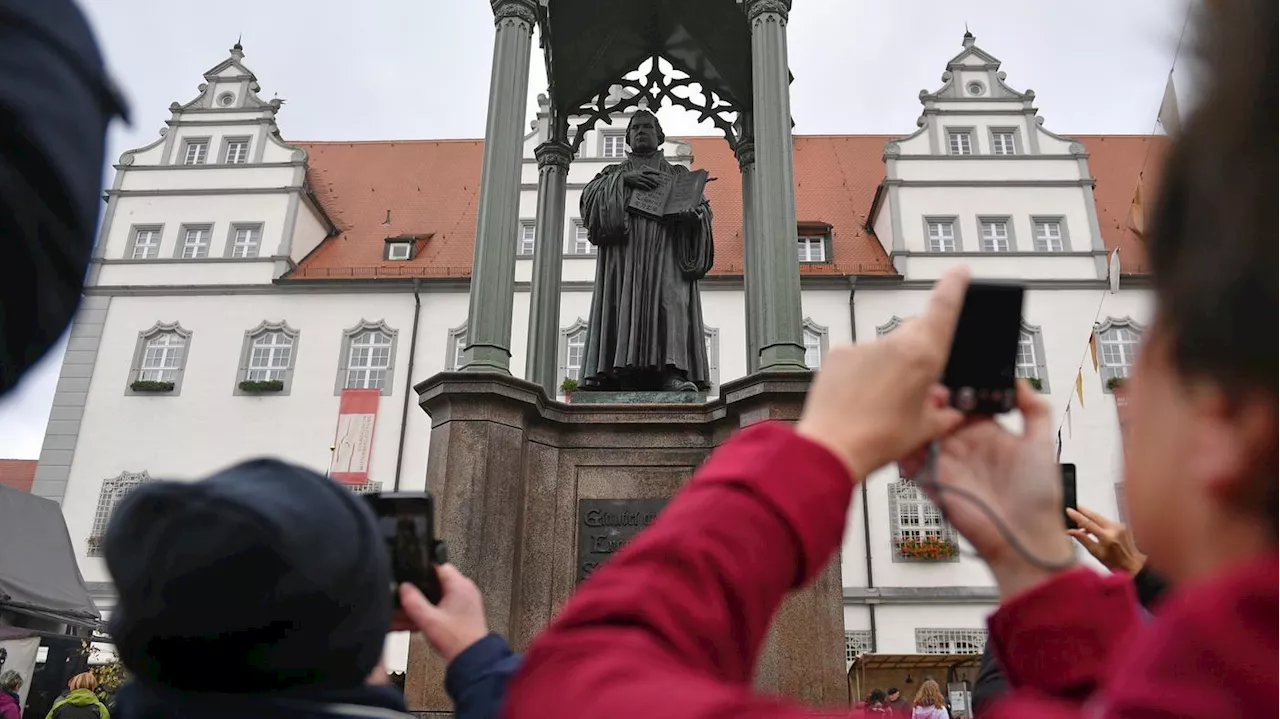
(406, 521)
(1069, 493)
(980, 370)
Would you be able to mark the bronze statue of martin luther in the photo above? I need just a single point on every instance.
(645, 330)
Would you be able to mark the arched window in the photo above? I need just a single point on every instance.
(1117, 341)
(455, 347)
(368, 358)
(268, 355)
(815, 343)
(159, 360)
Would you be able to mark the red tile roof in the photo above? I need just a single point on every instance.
(428, 188)
(17, 473)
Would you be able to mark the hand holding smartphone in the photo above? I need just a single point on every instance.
(980, 369)
(406, 521)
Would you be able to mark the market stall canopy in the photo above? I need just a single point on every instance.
(38, 572)
(590, 44)
(910, 662)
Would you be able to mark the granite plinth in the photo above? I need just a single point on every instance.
(593, 397)
(517, 477)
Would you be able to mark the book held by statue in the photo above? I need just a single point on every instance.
(673, 195)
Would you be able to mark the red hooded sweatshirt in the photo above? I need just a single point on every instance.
(672, 626)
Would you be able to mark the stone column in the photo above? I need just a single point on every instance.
(751, 264)
(493, 273)
(781, 340)
(541, 365)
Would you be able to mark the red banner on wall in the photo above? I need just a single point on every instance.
(353, 442)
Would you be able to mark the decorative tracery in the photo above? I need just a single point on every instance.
(657, 83)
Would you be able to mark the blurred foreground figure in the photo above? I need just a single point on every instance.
(260, 592)
(673, 625)
(55, 104)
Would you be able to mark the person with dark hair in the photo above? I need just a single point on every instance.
(898, 705)
(875, 703)
(673, 625)
(1110, 543)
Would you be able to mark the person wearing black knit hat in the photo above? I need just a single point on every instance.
(262, 591)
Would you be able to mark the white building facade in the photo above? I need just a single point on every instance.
(221, 323)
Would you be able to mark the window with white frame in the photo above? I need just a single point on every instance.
(1118, 342)
(995, 236)
(815, 343)
(196, 151)
(856, 641)
(368, 358)
(812, 248)
(581, 245)
(951, 641)
(913, 517)
(399, 250)
(269, 354)
(1029, 362)
(113, 490)
(711, 338)
(613, 145)
(195, 242)
(960, 142)
(369, 487)
(942, 235)
(159, 360)
(575, 350)
(456, 348)
(526, 238)
(1048, 236)
(146, 243)
(162, 357)
(1002, 142)
(237, 151)
(245, 240)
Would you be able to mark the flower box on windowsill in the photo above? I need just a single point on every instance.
(95, 546)
(930, 549)
(254, 386)
(1036, 383)
(151, 385)
(1115, 383)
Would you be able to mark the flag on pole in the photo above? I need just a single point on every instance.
(1168, 116)
(1113, 270)
(1137, 217)
(1093, 349)
(1079, 388)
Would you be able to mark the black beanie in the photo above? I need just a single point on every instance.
(263, 577)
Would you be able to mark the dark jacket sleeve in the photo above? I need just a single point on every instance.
(990, 682)
(1150, 586)
(476, 679)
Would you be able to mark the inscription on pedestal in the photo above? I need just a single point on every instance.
(604, 525)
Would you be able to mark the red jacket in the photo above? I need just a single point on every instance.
(672, 626)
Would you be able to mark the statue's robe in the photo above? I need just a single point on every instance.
(646, 317)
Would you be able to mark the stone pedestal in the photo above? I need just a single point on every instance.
(510, 470)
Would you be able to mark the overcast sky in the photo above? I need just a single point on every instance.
(395, 69)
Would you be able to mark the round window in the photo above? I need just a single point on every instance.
(225, 99)
(976, 88)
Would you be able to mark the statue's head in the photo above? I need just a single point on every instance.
(644, 132)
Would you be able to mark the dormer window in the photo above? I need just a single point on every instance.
(399, 250)
(195, 151)
(401, 247)
(960, 142)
